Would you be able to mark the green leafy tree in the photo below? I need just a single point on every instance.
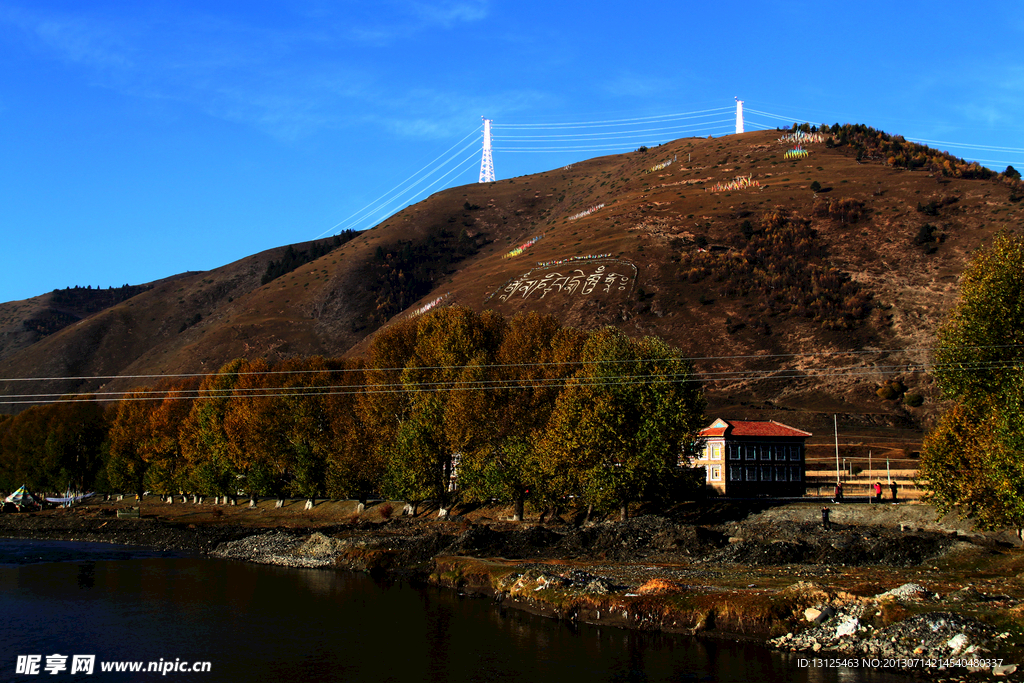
(420, 466)
(383, 406)
(498, 427)
(981, 342)
(447, 340)
(624, 421)
(971, 460)
(205, 445)
(75, 435)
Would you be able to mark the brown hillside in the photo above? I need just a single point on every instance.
(869, 261)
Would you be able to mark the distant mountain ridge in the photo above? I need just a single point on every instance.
(743, 256)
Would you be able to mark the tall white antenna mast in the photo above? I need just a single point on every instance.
(487, 163)
(739, 115)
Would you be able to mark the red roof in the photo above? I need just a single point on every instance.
(722, 427)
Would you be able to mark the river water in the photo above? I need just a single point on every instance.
(263, 623)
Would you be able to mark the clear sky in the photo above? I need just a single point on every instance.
(140, 140)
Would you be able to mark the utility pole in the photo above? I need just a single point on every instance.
(835, 422)
(739, 115)
(487, 163)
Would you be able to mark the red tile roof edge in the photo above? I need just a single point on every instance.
(753, 428)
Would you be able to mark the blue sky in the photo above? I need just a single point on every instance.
(140, 140)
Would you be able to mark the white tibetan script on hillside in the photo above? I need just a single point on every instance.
(589, 278)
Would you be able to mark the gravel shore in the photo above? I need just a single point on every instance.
(907, 590)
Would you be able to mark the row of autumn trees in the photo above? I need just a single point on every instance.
(522, 408)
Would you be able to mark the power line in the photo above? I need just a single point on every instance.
(500, 382)
(751, 356)
(376, 206)
(609, 135)
(615, 122)
(987, 148)
(489, 384)
(955, 145)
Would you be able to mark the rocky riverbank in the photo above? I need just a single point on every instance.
(903, 588)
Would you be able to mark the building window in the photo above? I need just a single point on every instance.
(716, 473)
(733, 451)
(780, 474)
(766, 473)
(794, 473)
(751, 473)
(735, 473)
(766, 452)
(780, 452)
(716, 451)
(794, 453)
(750, 451)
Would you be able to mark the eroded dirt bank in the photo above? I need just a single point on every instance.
(888, 582)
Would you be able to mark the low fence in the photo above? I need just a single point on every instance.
(823, 485)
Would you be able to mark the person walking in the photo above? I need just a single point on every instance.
(838, 497)
(878, 491)
(892, 488)
(825, 522)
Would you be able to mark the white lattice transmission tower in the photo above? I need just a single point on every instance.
(739, 115)
(487, 163)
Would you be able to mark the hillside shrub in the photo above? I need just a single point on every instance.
(293, 258)
(894, 150)
(405, 271)
(89, 300)
(844, 209)
(890, 391)
(886, 392)
(925, 235)
(780, 263)
(913, 400)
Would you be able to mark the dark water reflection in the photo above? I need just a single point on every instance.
(257, 623)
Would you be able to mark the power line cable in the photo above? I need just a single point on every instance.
(358, 213)
(758, 356)
(491, 384)
(614, 122)
(420, 193)
(609, 135)
(367, 212)
(499, 382)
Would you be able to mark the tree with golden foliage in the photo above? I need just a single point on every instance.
(129, 429)
(447, 340)
(498, 419)
(161, 449)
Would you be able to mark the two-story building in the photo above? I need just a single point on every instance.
(747, 458)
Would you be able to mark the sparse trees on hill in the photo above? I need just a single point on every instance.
(780, 260)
